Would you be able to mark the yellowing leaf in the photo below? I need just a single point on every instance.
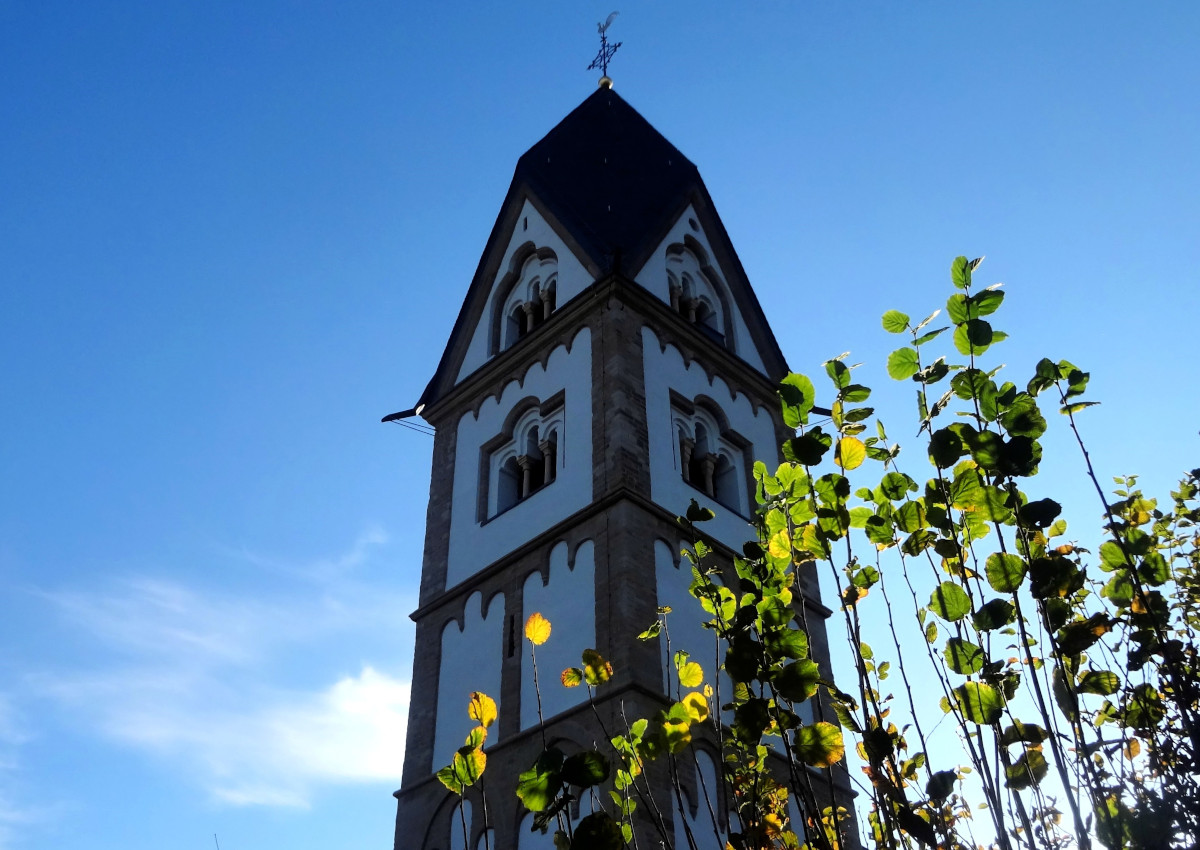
(850, 453)
(678, 735)
(482, 709)
(697, 706)
(572, 677)
(780, 544)
(476, 738)
(596, 669)
(537, 629)
(820, 744)
(691, 675)
(468, 765)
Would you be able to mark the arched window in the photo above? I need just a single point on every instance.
(697, 293)
(525, 296)
(711, 455)
(524, 458)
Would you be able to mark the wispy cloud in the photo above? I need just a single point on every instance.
(227, 685)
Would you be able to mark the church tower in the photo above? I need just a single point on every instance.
(610, 363)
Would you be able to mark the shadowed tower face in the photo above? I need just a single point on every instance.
(610, 363)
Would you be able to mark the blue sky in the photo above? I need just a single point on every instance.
(233, 235)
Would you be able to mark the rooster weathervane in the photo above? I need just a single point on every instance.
(606, 50)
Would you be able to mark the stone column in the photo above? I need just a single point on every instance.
(526, 464)
(709, 464)
(547, 448)
(528, 308)
(686, 446)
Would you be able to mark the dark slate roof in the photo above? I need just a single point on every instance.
(609, 177)
(615, 184)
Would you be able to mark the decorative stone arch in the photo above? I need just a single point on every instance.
(524, 457)
(697, 291)
(710, 454)
(525, 297)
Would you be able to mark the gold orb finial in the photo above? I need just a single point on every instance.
(606, 82)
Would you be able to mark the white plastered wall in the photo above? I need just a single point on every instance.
(569, 603)
(471, 659)
(573, 278)
(666, 371)
(653, 276)
(474, 545)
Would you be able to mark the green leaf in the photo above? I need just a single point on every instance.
(973, 337)
(964, 657)
(1019, 732)
(956, 308)
(819, 744)
(447, 777)
(598, 831)
(1098, 682)
(468, 765)
(926, 337)
(941, 784)
(903, 363)
(691, 675)
(895, 322)
(960, 272)
(979, 703)
(931, 632)
(540, 784)
(476, 737)
(798, 680)
(838, 372)
(986, 302)
(994, 615)
(1144, 708)
(572, 677)
(1005, 572)
(585, 769)
(950, 602)
(895, 484)
(1022, 418)
(1027, 771)
(855, 393)
(798, 396)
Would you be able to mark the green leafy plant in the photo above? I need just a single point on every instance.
(1068, 670)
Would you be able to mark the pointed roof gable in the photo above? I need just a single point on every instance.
(609, 178)
(614, 185)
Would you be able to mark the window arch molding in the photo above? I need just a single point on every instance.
(524, 457)
(525, 297)
(697, 292)
(709, 454)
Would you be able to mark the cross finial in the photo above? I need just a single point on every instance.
(606, 51)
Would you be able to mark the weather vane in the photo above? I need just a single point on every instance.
(606, 50)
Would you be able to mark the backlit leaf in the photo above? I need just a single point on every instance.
(691, 675)
(895, 322)
(537, 629)
(572, 677)
(978, 702)
(850, 453)
(482, 709)
(1004, 572)
(903, 364)
(819, 744)
(596, 670)
(964, 657)
(585, 769)
(950, 602)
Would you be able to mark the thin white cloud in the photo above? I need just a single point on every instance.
(202, 678)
